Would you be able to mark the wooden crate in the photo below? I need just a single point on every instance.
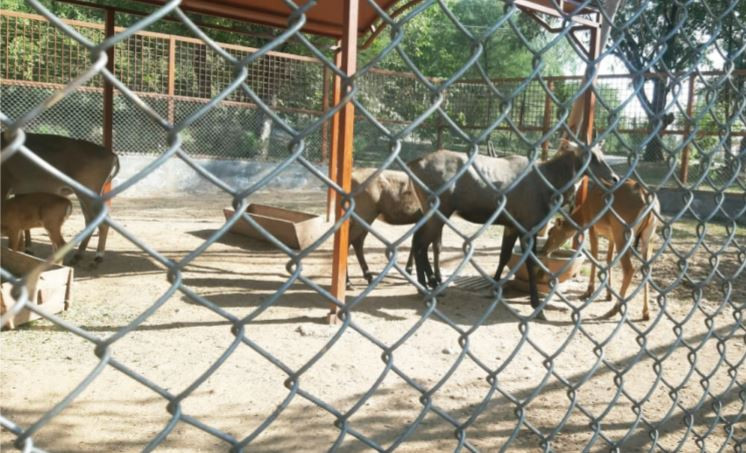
(555, 261)
(295, 229)
(52, 290)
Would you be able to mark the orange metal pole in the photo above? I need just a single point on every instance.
(344, 159)
(589, 114)
(331, 195)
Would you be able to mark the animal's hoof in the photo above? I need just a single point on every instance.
(98, 259)
(646, 316)
(540, 316)
(408, 270)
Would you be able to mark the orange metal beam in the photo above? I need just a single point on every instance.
(344, 159)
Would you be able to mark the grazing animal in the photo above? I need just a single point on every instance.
(33, 210)
(90, 164)
(630, 216)
(391, 197)
(471, 196)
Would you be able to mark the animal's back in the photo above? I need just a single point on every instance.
(470, 195)
(86, 162)
(30, 210)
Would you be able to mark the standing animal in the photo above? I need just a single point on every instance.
(32, 210)
(390, 196)
(528, 200)
(631, 216)
(90, 164)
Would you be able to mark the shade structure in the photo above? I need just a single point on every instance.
(347, 20)
(325, 17)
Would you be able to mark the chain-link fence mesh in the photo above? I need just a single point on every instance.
(464, 367)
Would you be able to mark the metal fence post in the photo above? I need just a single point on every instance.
(324, 109)
(343, 161)
(684, 168)
(547, 120)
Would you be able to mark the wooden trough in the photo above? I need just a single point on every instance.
(295, 229)
(51, 291)
(555, 262)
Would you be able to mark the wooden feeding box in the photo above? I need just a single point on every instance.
(295, 229)
(555, 262)
(51, 291)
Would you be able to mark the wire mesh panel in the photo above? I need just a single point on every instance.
(189, 336)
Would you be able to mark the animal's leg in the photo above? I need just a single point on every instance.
(645, 311)
(627, 271)
(27, 241)
(410, 262)
(56, 237)
(533, 291)
(86, 206)
(103, 232)
(14, 239)
(436, 257)
(506, 249)
(357, 244)
(420, 243)
(609, 256)
(419, 249)
(594, 254)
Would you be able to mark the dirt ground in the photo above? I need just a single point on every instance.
(593, 385)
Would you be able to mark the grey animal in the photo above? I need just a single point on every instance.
(90, 164)
(390, 196)
(528, 201)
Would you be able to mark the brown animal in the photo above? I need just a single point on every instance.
(391, 197)
(89, 164)
(34, 210)
(631, 216)
(474, 195)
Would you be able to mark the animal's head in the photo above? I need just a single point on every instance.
(560, 232)
(597, 166)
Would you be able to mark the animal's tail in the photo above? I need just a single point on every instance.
(647, 227)
(115, 170)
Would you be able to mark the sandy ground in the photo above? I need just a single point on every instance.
(587, 385)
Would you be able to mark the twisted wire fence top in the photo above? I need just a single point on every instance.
(463, 359)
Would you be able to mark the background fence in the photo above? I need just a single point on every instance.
(176, 75)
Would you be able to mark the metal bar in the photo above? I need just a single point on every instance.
(324, 108)
(547, 121)
(108, 87)
(344, 159)
(684, 168)
(171, 77)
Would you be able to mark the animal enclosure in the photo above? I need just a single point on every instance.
(188, 337)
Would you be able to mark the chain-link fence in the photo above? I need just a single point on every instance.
(204, 344)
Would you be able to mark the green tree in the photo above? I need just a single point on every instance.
(670, 37)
